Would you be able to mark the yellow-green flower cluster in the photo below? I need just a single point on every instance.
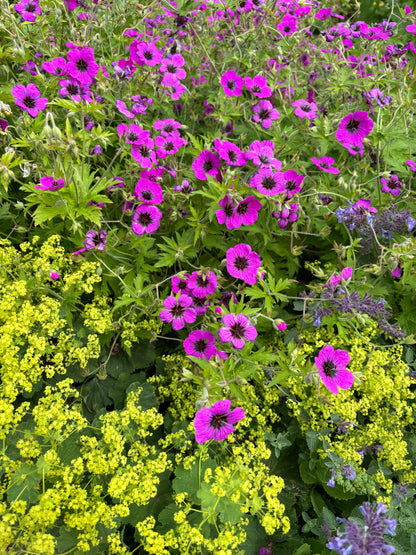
(379, 404)
(109, 468)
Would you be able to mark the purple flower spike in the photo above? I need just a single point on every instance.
(200, 344)
(331, 365)
(28, 98)
(237, 330)
(243, 263)
(178, 311)
(216, 422)
(354, 128)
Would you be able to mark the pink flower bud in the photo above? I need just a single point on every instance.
(54, 275)
(280, 325)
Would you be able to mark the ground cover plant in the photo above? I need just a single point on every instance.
(207, 243)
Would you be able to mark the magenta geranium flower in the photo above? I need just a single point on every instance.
(173, 66)
(412, 165)
(258, 86)
(243, 263)
(169, 144)
(180, 285)
(200, 304)
(268, 182)
(149, 192)
(264, 113)
(143, 152)
(202, 283)
(28, 98)
(237, 330)
(246, 212)
(167, 126)
(134, 133)
(95, 240)
(391, 185)
(200, 344)
(288, 25)
(57, 66)
(146, 219)
(225, 213)
(144, 53)
(206, 164)
(48, 183)
(332, 370)
(28, 9)
(293, 182)
(71, 87)
(325, 164)
(230, 153)
(178, 311)
(81, 65)
(305, 109)
(286, 215)
(216, 422)
(354, 128)
(232, 83)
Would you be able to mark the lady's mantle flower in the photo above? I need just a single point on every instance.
(200, 344)
(178, 311)
(28, 98)
(357, 539)
(237, 330)
(243, 263)
(216, 422)
(354, 128)
(331, 365)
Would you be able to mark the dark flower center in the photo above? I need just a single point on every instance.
(168, 128)
(306, 108)
(329, 369)
(256, 89)
(287, 29)
(29, 102)
(353, 125)
(324, 165)
(229, 210)
(148, 55)
(82, 65)
(241, 263)
(144, 151)
(218, 421)
(58, 70)
(237, 330)
(144, 219)
(264, 159)
(264, 114)
(231, 85)
(72, 89)
(207, 166)
(242, 208)
(290, 185)
(201, 281)
(132, 136)
(268, 183)
(200, 346)
(169, 146)
(232, 155)
(171, 68)
(30, 8)
(181, 285)
(199, 301)
(177, 311)
(147, 195)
